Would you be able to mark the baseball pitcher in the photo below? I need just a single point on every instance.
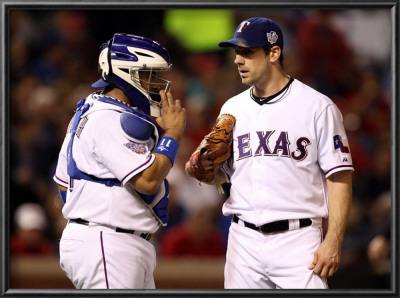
(288, 167)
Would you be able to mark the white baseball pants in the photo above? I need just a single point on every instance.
(97, 257)
(272, 261)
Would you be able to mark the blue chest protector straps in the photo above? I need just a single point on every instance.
(72, 169)
(160, 209)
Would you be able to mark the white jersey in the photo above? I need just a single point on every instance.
(282, 153)
(101, 148)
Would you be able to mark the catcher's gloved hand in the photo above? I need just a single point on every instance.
(215, 147)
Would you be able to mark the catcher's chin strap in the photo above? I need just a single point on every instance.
(72, 168)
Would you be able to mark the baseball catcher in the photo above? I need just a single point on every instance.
(117, 152)
(216, 147)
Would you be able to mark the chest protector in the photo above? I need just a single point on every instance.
(82, 108)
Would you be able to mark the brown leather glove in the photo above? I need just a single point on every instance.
(216, 146)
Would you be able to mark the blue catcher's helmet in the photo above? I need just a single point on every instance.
(132, 63)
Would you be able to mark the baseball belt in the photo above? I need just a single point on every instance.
(145, 236)
(273, 227)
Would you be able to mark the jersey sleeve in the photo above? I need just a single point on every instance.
(227, 108)
(61, 176)
(334, 150)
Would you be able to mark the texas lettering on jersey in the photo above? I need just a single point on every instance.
(281, 146)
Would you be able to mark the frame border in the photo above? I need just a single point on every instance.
(6, 6)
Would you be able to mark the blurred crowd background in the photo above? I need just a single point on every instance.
(345, 54)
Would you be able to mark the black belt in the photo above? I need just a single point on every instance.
(145, 236)
(273, 227)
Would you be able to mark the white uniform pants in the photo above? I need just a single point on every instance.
(97, 257)
(272, 261)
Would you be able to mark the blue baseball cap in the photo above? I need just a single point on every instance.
(256, 33)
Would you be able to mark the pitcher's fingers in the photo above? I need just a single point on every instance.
(324, 272)
(331, 272)
(318, 269)
(314, 262)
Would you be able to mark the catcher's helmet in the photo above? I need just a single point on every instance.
(125, 60)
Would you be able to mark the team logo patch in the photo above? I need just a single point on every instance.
(272, 37)
(338, 143)
(137, 148)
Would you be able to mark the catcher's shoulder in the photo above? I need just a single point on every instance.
(135, 127)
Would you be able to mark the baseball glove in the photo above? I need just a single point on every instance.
(216, 146)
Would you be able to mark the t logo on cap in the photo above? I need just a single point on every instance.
(256, 33)
(242, 24)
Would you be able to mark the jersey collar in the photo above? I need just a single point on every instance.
(268, 99)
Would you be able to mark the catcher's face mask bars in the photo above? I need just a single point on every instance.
(151, 82)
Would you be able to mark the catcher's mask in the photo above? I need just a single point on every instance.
(133, 63)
